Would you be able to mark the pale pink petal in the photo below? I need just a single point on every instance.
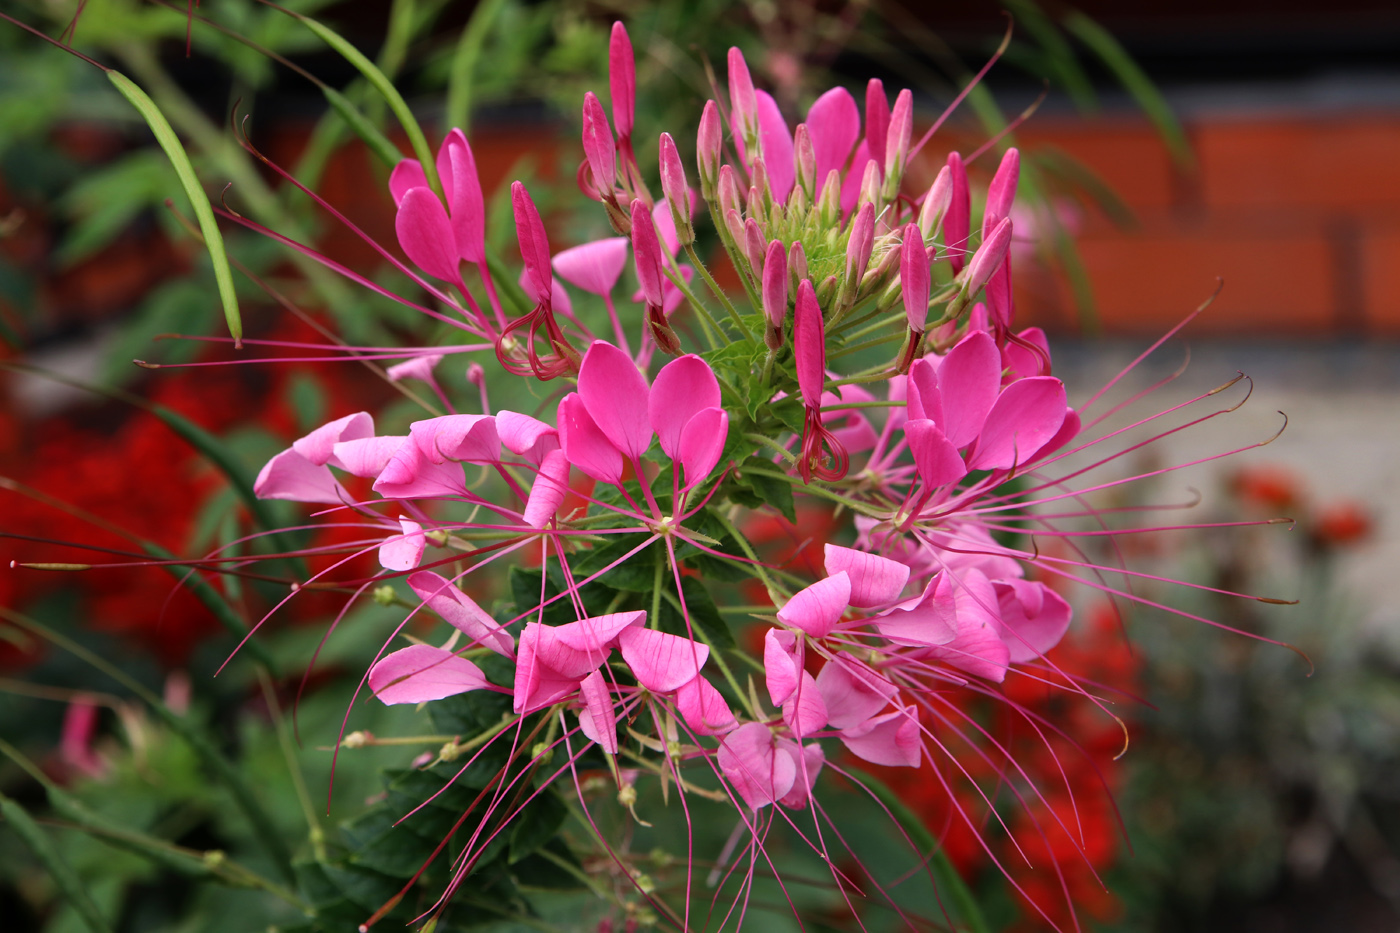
(537, 685)
(818, 608)
(461, 612)
(409, 474)
(834, 123)
(875, 580)
(807, 765)
(420, 673)
(704, 709)
(598, 719)
(805, 711)
(559, 298)
(615, 394)
(420, 367)
(925, 399)
(1033, 618)
(525, 436)
(403, 551)
(584, 444)
(969, 380)
(406, 175)
(749, 762)
(319, 445)
(780, 664)
(891, 739)
(702, 443)
(665, 223)
(775, 139)
(977, 648)
(599, 633)
(660, 661)
(469, 438)
(852, 691)
(683, 387)
(1028, 413)
(289, 475)
(1068, 432)
(593, 267)
(426, 234)
(935, 456)
(548, 491)
(930, 619)
(367, 456)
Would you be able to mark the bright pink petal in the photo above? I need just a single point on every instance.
(598, 719)
(807, 763)
(461, 612)
(536, 684)
(425, 233)
(702, 443)
(818, 608)
(683, 387)
(925, 399)
(780, 664)
(1028, 357)
(891, 739)
(852, 691)
(704, 709)
(584, 444)
(598, 633)
(289, 475)
(929, 620)
(525, 436)
(850, 182)
(660, 661)
(403, 551)
(410, 474)
(548, 491)
(593, 267)
(834, 124)
(319, 445)
(977, 648)
(805, 711)
(957, 223)
(969, 380)
(877, 120)
(466, 206)
(420, 673)
(367, 456)
(1028, 413)
(622, 79)
(936, 458)
(407, 175)
(874, 580)
(615, 394)
(558, 297)
(748, 760)
(1068, 432)
(776, 141)
(468, 438)
(809, 344)
(1033, 618)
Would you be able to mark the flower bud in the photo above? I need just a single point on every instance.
(957, 223)
(775, 293)
(758, 175)
(877, 119)
(599, 147)
(743, 102)
(936, 202)
(622, 80)
(646, 253)
(989, 258)
(804, 157)
(1002, 191)
(734, 223)
(754, 247)
(677, 192)
(897, 143)
(809, 344)
(709, 140)
(858, 248)
(797, 261)
(728, 190)
(534, 244)
(829, 204)
(914, 277)
(870, 186)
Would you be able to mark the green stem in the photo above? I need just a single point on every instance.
(822, 491)
(314, 833)
(772, 444)
(706, 317)
(718, 292)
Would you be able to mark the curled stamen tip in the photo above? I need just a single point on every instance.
(1277, 602)
(1221, 388)
(1126, 738)
(52, 566)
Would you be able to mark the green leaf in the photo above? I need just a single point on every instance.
(704, 615)
(635, 574)
(1136, 82)
(1059, 56)
(74, 891)
(536, 825)
(774, 492)
(203, 211)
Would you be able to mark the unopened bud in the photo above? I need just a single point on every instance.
(897, 143)
(826, 290)
(957, 224)
(877, 119)
(754, 247)
(599, 146)
(758, 174)
(743, 102)
(677, 191)
(709, 140)
(870, 186)
(735, 225)
(858, 248)
(385, 595)
(1002, 191)
(730, 199)
(914, 278)
(622, 79)
(627, 795)
(646, 253)
(829, 204)
(661, 331)
(804, 157)
(357, 739)
(775, 293)
(451, 751)
(797, 262)
(988, 259)
(936, 202)
(542, 751)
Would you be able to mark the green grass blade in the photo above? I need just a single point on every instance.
(62, 873)
(370, 134)
(203, 210)
(950, 883)
(1059, 55)
(459, 81)
(1136, 82)
(385, 87)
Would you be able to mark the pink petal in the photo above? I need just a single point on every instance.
(406, 175)
(874, 580)
(558, 298)
(598, 719)
(534, 243)
(525, 436)
(661, 662)
(585, 446)
(410, 474)
(469, 438)
(850, 182)
(1002, 191)
(683, 387)
(755, 771)
(319, 445)
(548, 491)
(1033, 618)
(403, 551)
(615, 394)
(775, 139)
(704, 709)
(289, 475)
(665, 223)
(929, 620)
(702, 443)
(426, 234)
(809, 344)
(925, 399)
(969, 380)
(420, 367)
(834, 124)
(977, 647)
(852, 691)
(536, 684)
(622, 79)
(1026, 415)
(1022, 361)
(957, 223)
(593, 267)
(891, 739)
(466, 205)
(461, 612)
(780, 664)
(598, 633)
(935, 456)
(808, 764)
(805, 711)
(420, 673)
(1068, 432)
(818, 608)
(367, 456)
(877, 120)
